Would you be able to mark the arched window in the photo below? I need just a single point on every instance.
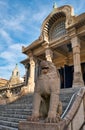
(58, 30)
(12, 73)
(17, 74)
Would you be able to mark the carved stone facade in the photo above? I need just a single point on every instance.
(62, 42)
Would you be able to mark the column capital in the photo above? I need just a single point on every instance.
(75, 42)
(45, 45)
(31, 57)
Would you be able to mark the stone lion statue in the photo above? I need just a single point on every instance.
(46, 102)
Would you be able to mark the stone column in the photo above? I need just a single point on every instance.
(31, 80)
(77, 76)
(49, 54)
(37, 69)
(27, 67)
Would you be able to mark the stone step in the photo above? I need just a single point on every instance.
(16, 112)
(2, 127)
(14, 115)
(18, 106)
(9, 124)
(63, 98)
(11, 119)
(24, 99)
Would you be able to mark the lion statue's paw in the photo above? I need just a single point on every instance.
(33, 118)
(53, 119)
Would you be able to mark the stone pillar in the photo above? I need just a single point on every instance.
(77, 77)
(27, 67)
(37, 69)
(31, 80)
(49, 54)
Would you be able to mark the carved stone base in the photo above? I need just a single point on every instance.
(78, 80)
(26, 125)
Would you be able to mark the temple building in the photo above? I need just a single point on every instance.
(62, 42)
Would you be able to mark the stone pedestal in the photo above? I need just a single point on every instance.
(77, 80)
(26, 125)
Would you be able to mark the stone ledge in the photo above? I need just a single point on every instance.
(26, 125)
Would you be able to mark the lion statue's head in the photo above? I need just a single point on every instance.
(48, 67)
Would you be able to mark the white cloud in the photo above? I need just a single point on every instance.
(6, 36)
(79, 6)
(9, 56)
(12, 56)
(3, 4)
(14, 23)
(13, 53)
(16, 47)
(39, 15)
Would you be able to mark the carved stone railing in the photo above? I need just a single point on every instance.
(10, 94)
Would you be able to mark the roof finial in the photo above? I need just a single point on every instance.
(54, 5)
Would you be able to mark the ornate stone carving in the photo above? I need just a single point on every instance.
(67, 10)
(69, 15)
(46, 95)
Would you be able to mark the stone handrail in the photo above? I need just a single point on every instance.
(75, 118)
(67, 108)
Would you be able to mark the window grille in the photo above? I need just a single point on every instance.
(58, 30)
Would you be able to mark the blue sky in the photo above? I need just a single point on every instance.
(20, 23)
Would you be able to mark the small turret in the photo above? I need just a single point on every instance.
(15, 77)
(15, 72)
(54, 5)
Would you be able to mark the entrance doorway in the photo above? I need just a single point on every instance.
(83, 71)
(66, 76)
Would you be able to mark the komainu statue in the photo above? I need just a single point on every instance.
(46, 95)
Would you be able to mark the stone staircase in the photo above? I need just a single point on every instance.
(11, 114)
